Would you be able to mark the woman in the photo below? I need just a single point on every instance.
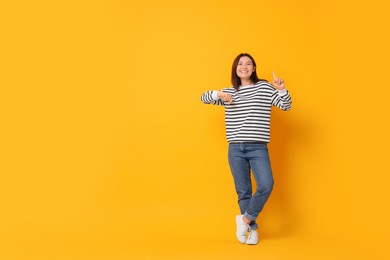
(247, 116)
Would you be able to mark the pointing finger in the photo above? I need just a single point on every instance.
(274, 74)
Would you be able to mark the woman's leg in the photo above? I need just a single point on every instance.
(259, 161)
(239, 167)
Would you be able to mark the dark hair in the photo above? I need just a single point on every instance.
(236, 81)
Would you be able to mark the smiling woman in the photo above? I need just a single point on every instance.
(244, 71)
(247, 115)
(105, 147)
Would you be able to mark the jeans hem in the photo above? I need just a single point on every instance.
(250, 217)
(254, 227)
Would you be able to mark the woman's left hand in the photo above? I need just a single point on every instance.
(278, 83)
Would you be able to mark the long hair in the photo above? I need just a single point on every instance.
(236, 81)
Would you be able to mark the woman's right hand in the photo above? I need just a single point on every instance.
(225, 96)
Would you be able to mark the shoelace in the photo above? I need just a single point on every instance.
(250, 234)
(247, 228)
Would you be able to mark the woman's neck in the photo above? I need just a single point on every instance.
(246, 82)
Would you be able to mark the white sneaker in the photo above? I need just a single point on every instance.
(253, 238)
(242, 228)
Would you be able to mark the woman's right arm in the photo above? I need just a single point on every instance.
(216, 97)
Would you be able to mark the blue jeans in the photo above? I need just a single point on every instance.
(244, 157)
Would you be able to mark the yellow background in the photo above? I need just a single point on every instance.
(108, 153)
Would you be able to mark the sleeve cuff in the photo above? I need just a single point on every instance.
(214, 95)
(282, 92)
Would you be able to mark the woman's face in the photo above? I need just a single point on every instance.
(245, 68)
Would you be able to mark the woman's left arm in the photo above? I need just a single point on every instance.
(281, 97)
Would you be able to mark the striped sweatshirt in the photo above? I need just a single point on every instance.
(248, 117)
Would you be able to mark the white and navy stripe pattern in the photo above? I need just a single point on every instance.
(248, 116)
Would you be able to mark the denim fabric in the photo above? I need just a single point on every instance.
(244, 158)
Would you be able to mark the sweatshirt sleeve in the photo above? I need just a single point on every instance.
(210, 97)
(281, 99)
